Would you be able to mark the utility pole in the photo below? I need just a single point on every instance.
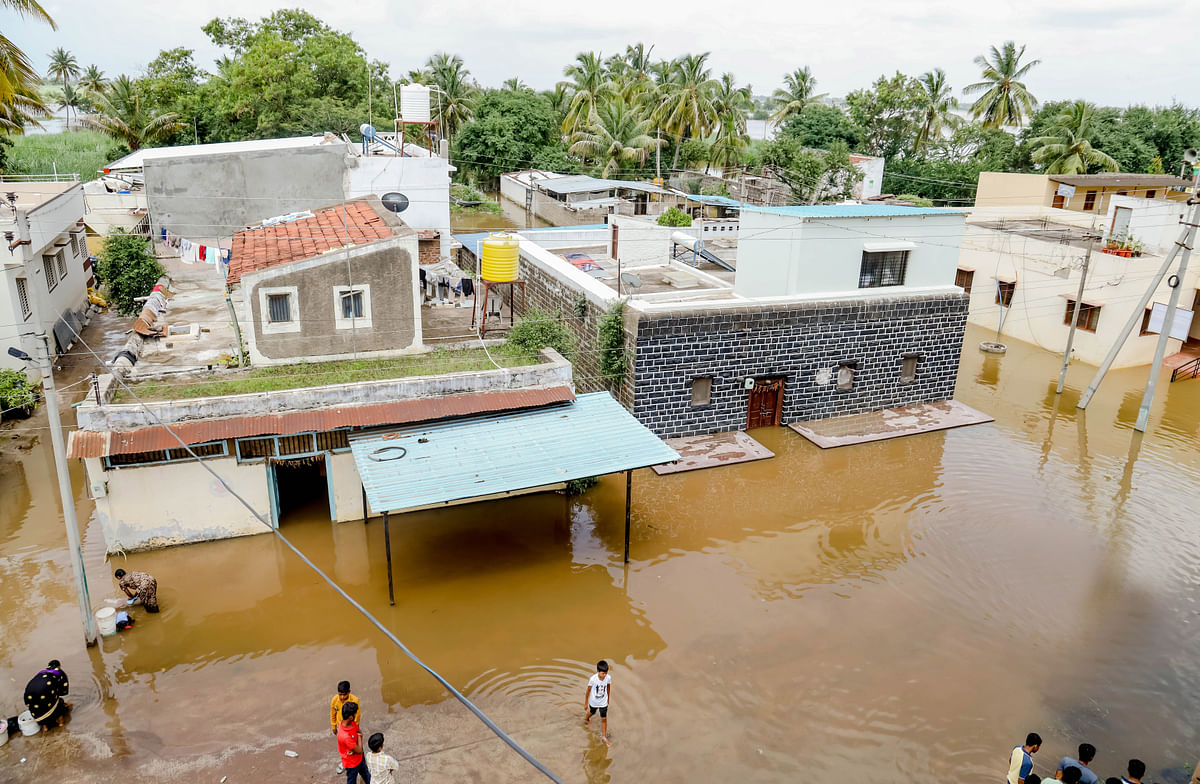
(1087, 258)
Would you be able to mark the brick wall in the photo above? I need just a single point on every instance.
(804, 344)
(429, 250)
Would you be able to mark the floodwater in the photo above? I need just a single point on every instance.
(514, 216)
(889, 612)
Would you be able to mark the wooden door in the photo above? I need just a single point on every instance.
(766, 403)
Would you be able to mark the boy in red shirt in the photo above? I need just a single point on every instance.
(349, 738)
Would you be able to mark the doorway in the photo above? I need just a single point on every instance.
(765, 408)
(299, 486)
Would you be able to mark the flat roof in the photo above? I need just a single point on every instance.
(31, 195)
(1116, 179)
(137, 160)
(852, 210)
(582, 183)
(439, 463)
(471, 241)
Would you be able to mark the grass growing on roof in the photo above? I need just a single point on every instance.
(317, 374)
(70, 152)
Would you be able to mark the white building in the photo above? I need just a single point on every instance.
(46, 272)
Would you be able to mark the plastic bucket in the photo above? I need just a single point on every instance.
(27, 724)
(4, 733)
(106, 621)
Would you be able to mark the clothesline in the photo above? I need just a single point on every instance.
(194, 252)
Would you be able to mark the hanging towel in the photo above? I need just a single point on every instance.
(164, 233)
(211, 253)
(468, 287)
(184, 248)
(202, 249)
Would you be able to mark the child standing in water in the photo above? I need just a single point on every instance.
(598, 690)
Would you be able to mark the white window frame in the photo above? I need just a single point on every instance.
(265, 324)
(50, 273)
(60, 258)
(76, 244)
(22, 287)
(363, 322)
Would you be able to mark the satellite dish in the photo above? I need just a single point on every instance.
(396, 202)
(630, 280)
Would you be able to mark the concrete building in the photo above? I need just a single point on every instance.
(47, 272)
(1076, 192)
(1021, 268)
(339, 283)
(879, 325)
(566, 200)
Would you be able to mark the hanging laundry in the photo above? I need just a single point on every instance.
(203, 248)
(164, 233)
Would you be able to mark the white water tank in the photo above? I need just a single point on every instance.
(414, 103)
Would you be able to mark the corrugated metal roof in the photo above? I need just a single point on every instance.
(718, 201)
(851, 210)
(455, 461)
(151, 439)
(582, 183)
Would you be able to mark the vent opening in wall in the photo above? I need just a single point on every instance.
(908, 368)
(845, 375)
(396, 202)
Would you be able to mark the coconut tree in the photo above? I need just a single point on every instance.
(63, 65)
(798, 91)
(732, 104)
(20, 101)
(72, 99)
(632, 79)
(123, 115)
(937, 108)
(688, 107)
(589, 85)
(1067, 149)
(514, 85)
(93, 80)
(1005, 99)
(457, 91)
(616, 135)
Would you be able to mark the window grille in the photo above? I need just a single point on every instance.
(882, 269)
(23, 297)
(352, 305)
(279, 308)
(51, 276)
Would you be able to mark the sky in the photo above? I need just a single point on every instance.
(1107, 51)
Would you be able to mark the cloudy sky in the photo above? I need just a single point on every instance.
(1106, 51)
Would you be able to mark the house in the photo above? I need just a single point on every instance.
(821, 311)
(768, 191)
(338, 281)
(566, 199)
(1076, 192)
(47, 271)
(1021, 266)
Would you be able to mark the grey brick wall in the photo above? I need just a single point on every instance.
(803, 343)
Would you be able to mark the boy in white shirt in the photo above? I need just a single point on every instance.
(383, 767)
(598, 690)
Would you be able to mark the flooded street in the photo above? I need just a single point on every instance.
(888, 612)
(513, 216)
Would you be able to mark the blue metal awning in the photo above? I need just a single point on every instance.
(425, 465)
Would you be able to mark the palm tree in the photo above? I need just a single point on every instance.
(615, 135)
(63, 65)
(1005, 100)
(514, 85)
(688, 107)
(456, 91)
(560, 100)
(937, 107)
(589, 85)
(798, 91)
(71, 100)
(20, 101)
(93, 80)
(732, 104)
(1067, 150)
(632, 79)
(122, 115)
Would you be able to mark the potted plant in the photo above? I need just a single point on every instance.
(1137, 246)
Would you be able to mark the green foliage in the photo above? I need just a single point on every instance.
(581, 486)
(889, 114)
(15, 391)
(820, 125)
(510, 127)
(581, 302)
(537, 330)
(948, 170)
(914, 200)
(128, 270)
(77, 152)
(674, 216)
(610, 338)
(715, 190)
(813, 175)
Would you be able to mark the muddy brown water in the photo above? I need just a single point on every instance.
(888, 612)
(513, 216)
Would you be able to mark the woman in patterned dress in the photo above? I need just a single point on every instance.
(44, 696)
(139, 585)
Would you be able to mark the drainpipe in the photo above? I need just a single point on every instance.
(237, 331)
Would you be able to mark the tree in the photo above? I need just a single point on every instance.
(123, 115)
(1067, 150)
(20, 101)
(1005, 99)
(616, 136)
(889, 114)
(71, 101)
(687, 109)
(813, 175)
(510, 130)
(515, 85)
(820, 125)
(128, 270)
(673, 216)
(798, 92)
(455, 103)
(588, 86)
(63, 65)
(937, 105)
(93, 80)
(732, 104)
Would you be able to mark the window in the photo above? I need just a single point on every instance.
(23, 297)
(51, 276)
(61, 259)
(1089, 315)
(352, 307)
(963, 279)
(176, 455)
(1145, 330)
(75, 245)
(845, 376)
(1122, 193)
(701, 391)
(1004, 292)
(1089, 200)
(279, 308)
(908, 367)
(1150, 194)
(882, 269)
(1059, 201)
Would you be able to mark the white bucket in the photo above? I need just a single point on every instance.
(106, 621)
(27, 724)
(3, 731)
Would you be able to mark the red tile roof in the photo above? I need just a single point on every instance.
(87, 443)
(357, 223)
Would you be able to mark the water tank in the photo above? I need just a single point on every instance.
(500, 254)
(414, 103)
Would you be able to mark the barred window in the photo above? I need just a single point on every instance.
(279, 308)
(51, 276)
(255, 448)
(333, 441)
(296, 445)
(352, 305)
(76, 245)
(61, 259)
(175, 455)
(23, 297)
(882, 269)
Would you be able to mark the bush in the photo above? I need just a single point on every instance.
(581, 486)
(914, 200)
(15, 393)
(611, 339)
(537, 330)
(674, 217)
(128, 269)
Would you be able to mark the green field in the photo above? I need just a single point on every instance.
(71, 152)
